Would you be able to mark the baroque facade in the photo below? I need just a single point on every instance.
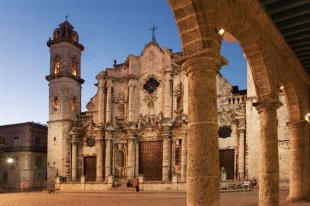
(136, 125)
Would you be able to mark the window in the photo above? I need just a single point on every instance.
(38, 162)
(151, 85)
(37, 142)
(177, 156)
(119, 159)
(16, 141)
(224, 132)
(55, 104)
(74, 67)
(74, 104)
(5, 177)
(56, 65)
(91, 142)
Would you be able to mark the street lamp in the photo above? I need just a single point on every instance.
(10, 160)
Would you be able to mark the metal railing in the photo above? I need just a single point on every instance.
(25, 149)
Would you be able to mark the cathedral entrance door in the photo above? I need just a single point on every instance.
(227, 160)
(90, 168)
(151, 160)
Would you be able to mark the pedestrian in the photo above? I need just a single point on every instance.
(136, 183)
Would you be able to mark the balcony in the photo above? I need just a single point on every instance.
(25, 149)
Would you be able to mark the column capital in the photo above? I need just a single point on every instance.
(205, 61)
(101, 77)
(297, 123)
(267, 105)
(109, 82)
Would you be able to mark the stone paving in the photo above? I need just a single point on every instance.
(125, 198)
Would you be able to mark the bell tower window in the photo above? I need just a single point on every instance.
(74, 104)
(56, 65)
(55, 104)
(74, 67)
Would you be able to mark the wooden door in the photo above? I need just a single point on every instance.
(151, 160)
(90, 168)
(227, 160)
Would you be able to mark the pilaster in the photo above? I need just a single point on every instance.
(99, 155)
(168, 94)
(74, 157)
(131, 155)
(108, 166)
(166, 154)
(101, 85)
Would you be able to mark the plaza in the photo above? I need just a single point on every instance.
(127, 198)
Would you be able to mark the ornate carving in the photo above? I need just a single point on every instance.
(150, 121)
(178, 91)
(149, 134)
(150, 98)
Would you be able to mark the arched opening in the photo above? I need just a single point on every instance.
(55, 104)
(56, 65)
(74, 66)
(74, 104)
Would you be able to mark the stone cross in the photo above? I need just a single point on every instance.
(153, 32)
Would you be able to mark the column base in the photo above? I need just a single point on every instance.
(297, 199)
(99, 179)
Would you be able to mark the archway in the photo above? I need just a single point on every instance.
(199, 23)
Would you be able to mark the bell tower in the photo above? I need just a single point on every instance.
(64, 97)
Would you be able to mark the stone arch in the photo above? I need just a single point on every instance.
(196, 31)
(234, 19)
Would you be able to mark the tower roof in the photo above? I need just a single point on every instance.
(65, 32)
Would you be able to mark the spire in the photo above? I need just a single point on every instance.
(153, 32)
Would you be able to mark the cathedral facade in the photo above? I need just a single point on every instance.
(136, 124)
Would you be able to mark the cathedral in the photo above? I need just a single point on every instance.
(135, 126)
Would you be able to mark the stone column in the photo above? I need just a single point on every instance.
(137, 159)
(185, 96)
(131, 102)
(298, 161)
(241, 155)
(202, 139)
(74, 158)
(268, 154)
(109, 102)
(168, 94)
(99, 158)
(184, 156)
(166, 154)
(101, 80)
(131, 157)
(108, 138)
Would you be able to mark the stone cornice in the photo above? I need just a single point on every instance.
(55, 76)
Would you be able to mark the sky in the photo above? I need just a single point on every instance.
(108, 29)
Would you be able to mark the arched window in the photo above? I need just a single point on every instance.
(179, 103)
(57, 34)
(177, 156)
(74, 104)
(150, 106)
(119, 159)
(74, 67)
(56, 65)
(74, 37)
(121, 110)
(55, 104)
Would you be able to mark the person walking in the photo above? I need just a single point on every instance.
(137, 185)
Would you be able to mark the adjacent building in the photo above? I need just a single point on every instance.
(23, 156)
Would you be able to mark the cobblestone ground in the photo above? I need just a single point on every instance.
(121, 198)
